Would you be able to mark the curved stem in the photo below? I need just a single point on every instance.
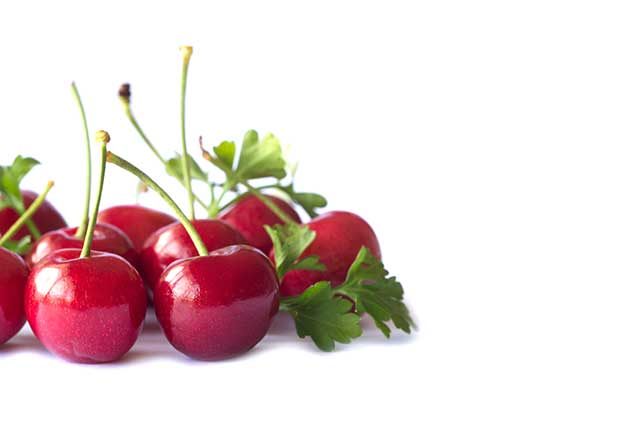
(82, 228)
(88, 237)
(267, 201)
(186, 223)
(26, 215)
(127, 111)
(134, 122)
(186, 167)
(240, 196)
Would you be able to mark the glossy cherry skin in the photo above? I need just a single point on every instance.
(85, 310)
(172, 243)
(46, 218)
(13, 278)
(217, 306)
(249, 216)
(339, 237)
(106, 238)
(137, 222)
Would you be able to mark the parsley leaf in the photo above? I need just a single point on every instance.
(10, 178)
(310, 202)
(289, 242)
(174, 168)
(377, 294)
(324, 318)
(260, 159)
(226, 153)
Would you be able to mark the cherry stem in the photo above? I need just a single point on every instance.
(186, 166)
(186, 223)
(125, 98)
(26, 215)
(103, 138)
(240, 196)
(82, 228)
(270, 204)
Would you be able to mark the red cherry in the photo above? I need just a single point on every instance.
(46, 218)
(339, 237)
(106, 238)
(249, 216)
(137, 222)
(13, 277)
(217, 306)
(86, 310)
(172, 243)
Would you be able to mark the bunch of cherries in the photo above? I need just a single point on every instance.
(215, 284)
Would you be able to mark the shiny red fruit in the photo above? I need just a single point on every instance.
(85, 310)
(217, 306)
(46, 218)
(106, 238)
(13, 277)
(249, 216)
(137, 222)
(339, 237)
(172, 243)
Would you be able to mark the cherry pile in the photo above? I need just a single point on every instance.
(215, 282)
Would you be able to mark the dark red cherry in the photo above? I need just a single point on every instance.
(46, 218)
(339, 237)
(106, 238)
(172, 243)
(85, 310)
(249, 216)
(137, 222)
(13, 277)
(217, 306)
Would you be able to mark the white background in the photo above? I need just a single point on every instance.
(492, 145)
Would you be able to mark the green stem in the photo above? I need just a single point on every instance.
(88, 237)
(240, 196)
(186, 223)
(87, 195)
(136, 126)
(26, 215)
(126, 103)
(267, 201)
(186, 167)
(32, 228)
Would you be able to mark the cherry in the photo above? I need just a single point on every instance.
(172, 243)
(86, 306)
(46, 218)
(137, 222)
(85, 309)
(213, 305)
(249, 215)
(13, 277)
(106, 238)
(339, 237)
(217, 306)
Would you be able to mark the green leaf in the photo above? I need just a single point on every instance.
(174, 168)
(10, 178)
(260, 159)
(226, 152)
(310, 202)
(22, 166)
(377, 294)
(324, 318)
(20, 247)
(289, 242)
